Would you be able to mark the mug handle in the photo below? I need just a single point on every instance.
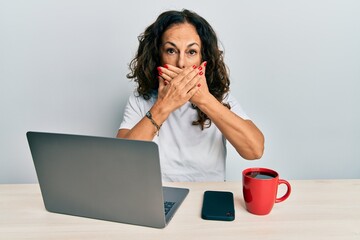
(287, 194)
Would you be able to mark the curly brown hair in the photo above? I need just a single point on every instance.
(143, 66)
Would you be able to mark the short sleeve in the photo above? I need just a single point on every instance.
(133, 113)
(235, 106)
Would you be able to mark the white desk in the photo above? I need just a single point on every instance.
(316, 209)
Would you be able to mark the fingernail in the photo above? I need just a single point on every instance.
(166, 66)
(200, 68)
(194, 66)
(205, 63)
(159, 69)
(201, 73)
(199, 85)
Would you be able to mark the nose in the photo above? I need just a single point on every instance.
(181, 61)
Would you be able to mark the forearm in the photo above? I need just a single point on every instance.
(145, 129)
(246, 138)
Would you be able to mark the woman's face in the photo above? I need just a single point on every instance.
(181, 46)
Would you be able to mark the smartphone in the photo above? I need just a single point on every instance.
(218, 205)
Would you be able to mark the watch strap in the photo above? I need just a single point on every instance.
(157, 126)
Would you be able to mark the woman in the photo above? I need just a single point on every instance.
(183, 102)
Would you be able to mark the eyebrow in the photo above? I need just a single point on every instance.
(189, 45)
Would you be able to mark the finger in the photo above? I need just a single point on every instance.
(171, 73)
(202, 66)
(162, 82)
(192, 74)
(195, 82)
(185, 76)
(192, 91)
(173, 68)
(165, 76)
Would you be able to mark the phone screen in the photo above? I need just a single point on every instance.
(218, 205)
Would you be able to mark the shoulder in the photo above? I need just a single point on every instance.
(229, 98)
(136, 98)
(235, 105)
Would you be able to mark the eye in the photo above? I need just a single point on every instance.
(170, 51)
(192, 52)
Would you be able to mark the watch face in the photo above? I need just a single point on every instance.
(148, 114)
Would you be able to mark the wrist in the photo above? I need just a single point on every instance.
(206, 103)
(157, 126)
(159, 112)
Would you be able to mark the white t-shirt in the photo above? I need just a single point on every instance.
(187, 153)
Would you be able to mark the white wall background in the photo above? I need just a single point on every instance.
(294, 66)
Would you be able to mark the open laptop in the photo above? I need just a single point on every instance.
(104, 178)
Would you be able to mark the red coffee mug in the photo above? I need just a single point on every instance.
(260, 186)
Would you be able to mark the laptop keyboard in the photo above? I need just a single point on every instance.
(168, 206)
